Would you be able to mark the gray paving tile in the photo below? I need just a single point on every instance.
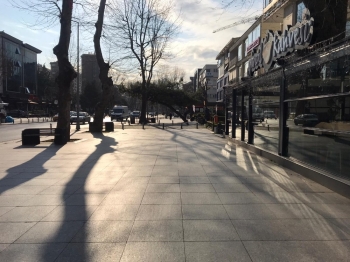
(115, 212)
(3, 247)
(104, 231)
(159, 212)
(322, 198)
(12, 231)
(197, 188)
(159, 230)
(84, 199)
(239, 198)
(261, 230)
(70, 213)
(213, 212)
(108, 252)
(164, 172)
(13, 200)
(129, 188)
(194, 180)
(163, 188)
(343, 224)
(22, 190)
(153, 252)
(224, 179)
(216, 251)
(264, 187)
(60, 190)
(231, 188)
(200, 199)
(161, 199)
(94, 189)
(51, 232)
(32, 252)
(192, 173)
(275, 251)
(123, 198)
(44, 200)
(249, 211)
(164, 180)
(293, 211)
(26, 214)
(209, 230)
(273, 197)
(4, 210)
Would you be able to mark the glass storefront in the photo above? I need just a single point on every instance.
(12, 67)
(319, 116)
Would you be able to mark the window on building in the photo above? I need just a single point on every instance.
(208, 70)
(239, 56)
(245, 73)
(300, 10)
(246, 44)
(239, 73)
(267, 2)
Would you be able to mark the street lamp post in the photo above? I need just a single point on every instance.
(78, 96)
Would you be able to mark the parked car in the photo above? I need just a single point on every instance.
(269, 114)
(306, 120)
(151, 114)
(83, 117)
(17, 113)
(55, 118)
(135, 113)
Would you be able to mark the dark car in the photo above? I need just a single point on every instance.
(17, 113)
(306, 120)
(83, 117)
(135, 114)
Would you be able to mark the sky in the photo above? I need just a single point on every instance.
(194, 46)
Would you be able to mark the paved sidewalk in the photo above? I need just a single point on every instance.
(162, 195)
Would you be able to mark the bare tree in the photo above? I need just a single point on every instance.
(106, 80)
(142, 30)
(48, 12)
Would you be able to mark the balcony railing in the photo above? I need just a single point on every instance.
(232, 62)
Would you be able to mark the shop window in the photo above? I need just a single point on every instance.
(239, 57)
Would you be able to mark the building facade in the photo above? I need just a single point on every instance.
(207, 80)
(18, 83)
(304, 96)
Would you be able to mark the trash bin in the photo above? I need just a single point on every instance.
(9, 119)
(30, 137)
(153, 119)
(132, 120)
(109, 126)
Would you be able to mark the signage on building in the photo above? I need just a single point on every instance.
(276, 45)
(253, 45)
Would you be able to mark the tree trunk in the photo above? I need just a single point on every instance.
(144, 100)
(66, 72)
(330, 18)
(107, 82)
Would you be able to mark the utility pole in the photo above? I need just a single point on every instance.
(78, 96)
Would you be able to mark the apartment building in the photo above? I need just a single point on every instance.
(18, 78)
(89, 70)
(207, 80)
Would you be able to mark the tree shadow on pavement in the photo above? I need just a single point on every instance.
(28, 170)
(75, 213)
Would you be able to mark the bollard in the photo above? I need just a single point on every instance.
(51, 128)
(43, 119)
(20, 120)
(223, 133)
(158, 122)
(181, 125)
(28, 120)
(197, 125)
(268, 127)
(172, 122)
(163, 125)
(38, 119)
(32, 120)
(143, 125)
(122, 125)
